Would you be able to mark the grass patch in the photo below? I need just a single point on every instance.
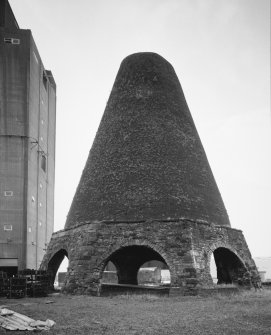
(245, 313)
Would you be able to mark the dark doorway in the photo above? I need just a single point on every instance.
(230, 269)
(55, 264)
(128, 260)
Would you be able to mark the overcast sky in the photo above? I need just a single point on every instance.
(220, 50)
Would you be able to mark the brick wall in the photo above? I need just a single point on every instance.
(185, 246)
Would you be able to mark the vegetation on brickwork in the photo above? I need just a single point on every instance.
(247, 313)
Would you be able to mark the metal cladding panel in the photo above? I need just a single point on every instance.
(12, 170)
(8, 262)
(13, 82)
(51, 160)
(34, 171)
(147, 160)
(40, 176)
(13, 143)
(24, 140)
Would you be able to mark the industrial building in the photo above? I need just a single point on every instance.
(27, 148)
(147, 193)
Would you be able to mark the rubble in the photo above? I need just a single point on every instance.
(11, 320)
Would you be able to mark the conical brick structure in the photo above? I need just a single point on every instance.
(147, 161)
(147, 193)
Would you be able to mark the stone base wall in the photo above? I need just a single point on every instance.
(184, 245)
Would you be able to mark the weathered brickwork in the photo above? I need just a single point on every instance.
(185, 246)
(147, 160)
(147, 193)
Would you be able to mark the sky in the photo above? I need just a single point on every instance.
(220, 50)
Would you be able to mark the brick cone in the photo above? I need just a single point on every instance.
(147, 161)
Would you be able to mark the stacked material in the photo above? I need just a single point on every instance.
(31, 283)
(11, 320)
(3, 284)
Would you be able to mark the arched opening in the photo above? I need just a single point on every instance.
(226, 267)
(213, 270)
(57, 267)
(127, 264)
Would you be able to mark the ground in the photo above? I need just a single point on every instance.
(246, 313)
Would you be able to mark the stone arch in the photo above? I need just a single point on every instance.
(55, 260)
(221, 244)
(231, 268)
(135, 245)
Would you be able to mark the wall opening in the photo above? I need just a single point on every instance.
(226, 267)
(154, 273)
(57, 267)
(45, 80)
(10, 40)
(125, 266)
(110, 274)
(43, 163)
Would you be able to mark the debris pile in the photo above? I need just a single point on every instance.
(11, 320)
